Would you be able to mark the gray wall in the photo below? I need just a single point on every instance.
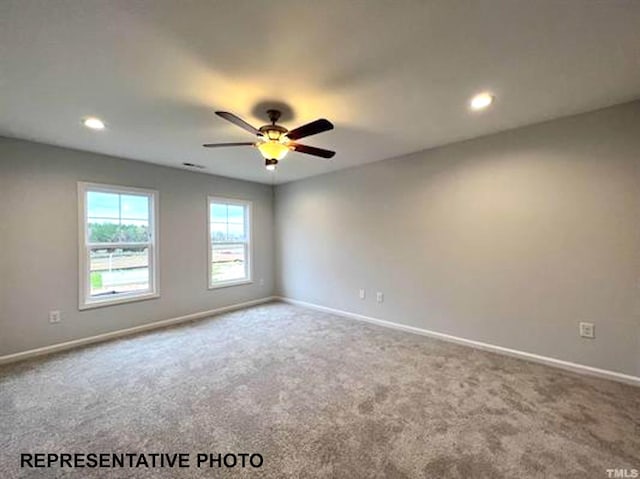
(510, 239)
(39, 243)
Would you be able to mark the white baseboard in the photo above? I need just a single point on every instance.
(9, 358)
(558, 363)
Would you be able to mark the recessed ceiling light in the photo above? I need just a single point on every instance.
(93, 123)
(481, 101)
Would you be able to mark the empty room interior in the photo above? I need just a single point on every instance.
(320, 239)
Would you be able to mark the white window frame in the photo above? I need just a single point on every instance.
(85, 300)
(248, 220)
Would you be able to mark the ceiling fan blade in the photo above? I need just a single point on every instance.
(309, 129)
(312, 150)
(216, 145)
(238, 122)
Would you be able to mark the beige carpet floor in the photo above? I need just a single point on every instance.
(317, 396)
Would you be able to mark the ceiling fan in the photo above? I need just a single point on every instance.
(275, 141)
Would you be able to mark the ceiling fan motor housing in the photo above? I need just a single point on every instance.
(273, 132)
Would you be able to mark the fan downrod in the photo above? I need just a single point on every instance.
(274, 116)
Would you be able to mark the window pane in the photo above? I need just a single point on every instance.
(103, 205)
(236, 232)
(118, 270)
(135, 207)
(103, 230)
(218, 212)
(109, 231)
(235, 214)
(228, 262)
(132, 231)
(218, 231)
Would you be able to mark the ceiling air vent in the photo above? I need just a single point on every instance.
(193, 165)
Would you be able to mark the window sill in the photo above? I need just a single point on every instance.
(120, 300)
(228, 284)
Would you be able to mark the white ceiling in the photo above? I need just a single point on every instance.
(394, 76)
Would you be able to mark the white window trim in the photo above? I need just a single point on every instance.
(249, 228)
(84, 301)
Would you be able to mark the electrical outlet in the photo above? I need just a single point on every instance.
(587, 330)
(363, 293)
(261, 282)
(379, 297)
(55, 316)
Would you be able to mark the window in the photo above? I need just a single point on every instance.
(229, 242)
(118, 244)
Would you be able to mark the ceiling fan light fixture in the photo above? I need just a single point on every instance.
(271, 164)
(273, 149)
